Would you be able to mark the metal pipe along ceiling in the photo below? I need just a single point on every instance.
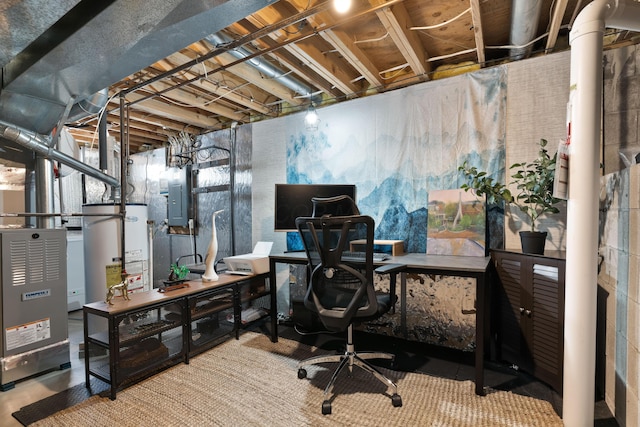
(263, 66)
(39, 145)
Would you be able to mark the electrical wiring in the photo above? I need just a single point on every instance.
(399, 70)
(372, 40)
(444, 40)
(451, 55)
(100, 114)
(540, 37)
(204, 104)
(442, 24)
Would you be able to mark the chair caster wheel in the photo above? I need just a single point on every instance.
(326, 407)
(302, 373)
(396, 400)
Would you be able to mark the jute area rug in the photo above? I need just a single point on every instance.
(253, 382)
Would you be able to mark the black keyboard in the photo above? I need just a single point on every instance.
(360, 256)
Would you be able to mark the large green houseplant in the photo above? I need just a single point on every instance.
(534, 182)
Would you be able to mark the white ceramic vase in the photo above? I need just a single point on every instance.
(210, 274)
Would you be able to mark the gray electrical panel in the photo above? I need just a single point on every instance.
(33, 303)
(179, 199)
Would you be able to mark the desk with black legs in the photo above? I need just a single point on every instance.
(445, 265)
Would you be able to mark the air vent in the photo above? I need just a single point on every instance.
(53, 254)
(18, 256)
(35, 261)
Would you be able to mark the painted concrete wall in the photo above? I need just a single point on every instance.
(537, 95)
(619, 294)
(618, 363)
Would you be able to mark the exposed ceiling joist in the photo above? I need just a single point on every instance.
(477, 30)
(170, 111)
(316, 59)
(352, 53)
(217, 85)
(272, 60)
(397, 22)
(557, 16)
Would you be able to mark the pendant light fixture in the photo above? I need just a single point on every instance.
(311, 119)
(341, 6)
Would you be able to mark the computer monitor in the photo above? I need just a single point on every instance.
(294, 200)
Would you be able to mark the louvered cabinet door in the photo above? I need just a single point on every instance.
(529, 291)
(547, 320)
(511, 340)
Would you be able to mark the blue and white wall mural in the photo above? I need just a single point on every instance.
(396, 147)
(399, 146)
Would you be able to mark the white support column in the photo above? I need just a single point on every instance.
(586, 40)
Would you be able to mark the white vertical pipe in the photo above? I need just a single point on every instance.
(586, 40)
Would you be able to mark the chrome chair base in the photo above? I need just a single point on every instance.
(350, 359)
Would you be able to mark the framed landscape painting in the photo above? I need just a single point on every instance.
(457, 223)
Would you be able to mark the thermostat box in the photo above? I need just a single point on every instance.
(256, 262)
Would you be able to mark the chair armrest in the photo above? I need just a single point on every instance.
(390, 268)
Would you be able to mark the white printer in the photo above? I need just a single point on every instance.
(256, 262)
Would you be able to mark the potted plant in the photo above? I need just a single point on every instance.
(534, 182)
(178, 273)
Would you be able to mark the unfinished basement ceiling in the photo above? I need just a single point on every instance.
(274, 58)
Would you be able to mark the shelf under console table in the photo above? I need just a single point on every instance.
(133, 339)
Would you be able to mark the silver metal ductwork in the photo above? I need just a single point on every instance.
(524, 21)
(39, 145)
(24, 21)
(266, 68)
(56, 54)
(89, 106)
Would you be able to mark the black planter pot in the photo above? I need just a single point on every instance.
(533, 241)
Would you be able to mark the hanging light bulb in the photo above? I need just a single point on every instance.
(311, 119)
(341, 6)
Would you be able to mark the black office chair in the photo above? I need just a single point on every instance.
(342, 293)
(334, 206)
(304, 320)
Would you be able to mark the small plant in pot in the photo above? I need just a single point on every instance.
(178, 273)
(534, 182)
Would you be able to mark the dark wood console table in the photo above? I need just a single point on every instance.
(445, 265)
(154, 330)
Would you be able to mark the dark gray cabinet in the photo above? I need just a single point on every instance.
(529, 316)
